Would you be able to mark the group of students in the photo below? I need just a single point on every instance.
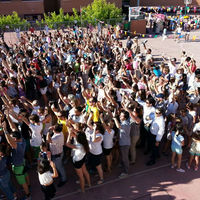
(86, 95)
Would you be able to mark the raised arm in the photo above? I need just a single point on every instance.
(9, 139)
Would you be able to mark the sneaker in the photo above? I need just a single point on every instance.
(196, 169)
(173, 166)
(100, 181)
(180, 170)
(123, 175)
(187, 165)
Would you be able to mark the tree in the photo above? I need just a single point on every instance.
(12, 21)
(101, 10)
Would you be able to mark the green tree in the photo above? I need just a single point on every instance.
(101, 10)
(13, 21)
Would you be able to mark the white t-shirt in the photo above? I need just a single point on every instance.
(108, 139)
(101, 94)
(36, 139)
(95, 147)
(45, 178)
(196, 127)
(172, 69)
(78, 153)
(16, 111)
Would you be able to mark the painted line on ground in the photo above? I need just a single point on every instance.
(116, 180)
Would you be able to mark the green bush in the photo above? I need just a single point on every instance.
(12, 21)
(100, 10)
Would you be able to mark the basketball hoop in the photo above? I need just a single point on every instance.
(187, 2)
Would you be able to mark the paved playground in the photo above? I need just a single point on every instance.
(158, 182)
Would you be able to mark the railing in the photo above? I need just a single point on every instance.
(57, 25)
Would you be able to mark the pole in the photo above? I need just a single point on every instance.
(81, 16)
(138, 3)
(186, 6)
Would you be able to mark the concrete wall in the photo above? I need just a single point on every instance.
(21, 7)
(139, 26)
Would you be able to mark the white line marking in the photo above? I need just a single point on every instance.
(116, 180)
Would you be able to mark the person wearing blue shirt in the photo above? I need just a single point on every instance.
(18, 146)
(176, 146)
(5, 181)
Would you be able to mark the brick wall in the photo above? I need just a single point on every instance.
(162, 2)
(21, 7)
(67, 5)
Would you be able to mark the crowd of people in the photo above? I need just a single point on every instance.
(160, 22)
(83, 97)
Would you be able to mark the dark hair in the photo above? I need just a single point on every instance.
(196, 135)
(43, 166)
(126, 114)
(179, 128)
(151, 100)
(34, 118)
(44, 144)
(17, 135)
(3, 149)
(79, 109)
(81, 138)
(100, 128)
(58, 128)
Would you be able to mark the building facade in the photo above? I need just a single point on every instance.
(162, 2)
(38, 7)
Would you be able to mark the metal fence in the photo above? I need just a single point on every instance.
(58, 25)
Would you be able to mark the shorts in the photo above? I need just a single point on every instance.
(36, 151)
(177, 150)
(95, 160)
(80, 163)
(107, 152)
(43, 90)
(195, 149)
(19, 174)
(178, 33)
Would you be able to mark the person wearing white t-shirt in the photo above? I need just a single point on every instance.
(96, 150)
(108, 141)
(79, 149)
(36, 128)
(46, 177)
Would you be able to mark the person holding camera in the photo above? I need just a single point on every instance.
(46, 177)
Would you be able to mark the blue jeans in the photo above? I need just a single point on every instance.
(60, 167)
(6, 186)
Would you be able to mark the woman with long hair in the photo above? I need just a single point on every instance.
(46, 177)
(79, 148)
(176, 146)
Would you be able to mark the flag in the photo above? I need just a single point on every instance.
(135, 32)
(155, 36)
(143, 35)
(150, 36)
(125, 32)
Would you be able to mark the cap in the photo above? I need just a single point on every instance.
(160, 95)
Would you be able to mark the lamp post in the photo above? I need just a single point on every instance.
(138, 3)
